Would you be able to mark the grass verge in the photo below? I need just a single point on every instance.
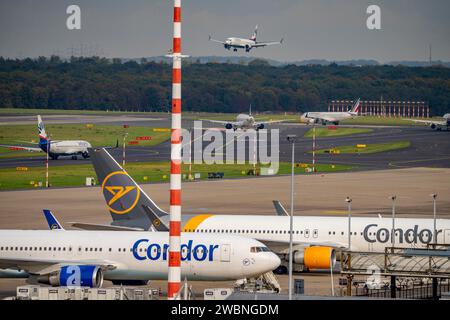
(325, 132)
(369, 148)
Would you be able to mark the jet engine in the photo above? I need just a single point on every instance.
(433, 126)
(76, 276)
(228, 126)
(260, 126)
(315, 257)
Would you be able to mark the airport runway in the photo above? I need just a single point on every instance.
(428, 148)
(320, 194)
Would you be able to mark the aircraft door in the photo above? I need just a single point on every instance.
(315, 233)
(225, 252)
(306, 233)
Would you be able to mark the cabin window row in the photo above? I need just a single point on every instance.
(35, 249)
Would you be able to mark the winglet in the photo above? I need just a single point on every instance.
(53, 223)
(281, 211)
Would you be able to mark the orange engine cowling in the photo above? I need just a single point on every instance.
(319, 257)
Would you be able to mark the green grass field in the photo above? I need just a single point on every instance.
(19, 111)
(75, 175)
(325, 132)
(363, 120)
(370, 148)
(6, 153)
(98, 135)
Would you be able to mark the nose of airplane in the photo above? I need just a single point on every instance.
(273, 261)
(260, 263)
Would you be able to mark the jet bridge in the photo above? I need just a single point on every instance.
(425, 264)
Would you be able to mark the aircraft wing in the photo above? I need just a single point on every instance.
(274, 121)
(46, 266)
(429, 122)
(263, 44)
(329, 119)
(32, 149)
(214, 40)
(101, 227)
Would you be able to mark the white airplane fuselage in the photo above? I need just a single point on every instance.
(234, 42)
(66, 147)
(245, 121)
(139, 255)
(326, 116)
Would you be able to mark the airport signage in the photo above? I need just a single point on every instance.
(143, 138)
(372, 234)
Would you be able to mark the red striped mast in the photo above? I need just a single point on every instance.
(174, 279)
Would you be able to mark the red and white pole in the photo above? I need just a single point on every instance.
(174, 279)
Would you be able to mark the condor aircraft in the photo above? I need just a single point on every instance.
(330, 117)
(85, 258)
(436, 124)
(241, 43)
(56, 148)
(315, 238)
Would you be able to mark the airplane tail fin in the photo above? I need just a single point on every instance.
(126, 201)
(356, 106)
(255, 33)
(41, 129)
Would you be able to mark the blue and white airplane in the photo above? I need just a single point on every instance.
(56, 148)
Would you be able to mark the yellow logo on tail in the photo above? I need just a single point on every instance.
(118, 192)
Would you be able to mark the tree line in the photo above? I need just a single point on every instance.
(112, 84)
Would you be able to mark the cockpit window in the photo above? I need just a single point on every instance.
(259, 249)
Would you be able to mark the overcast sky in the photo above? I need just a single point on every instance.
(312, 29)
